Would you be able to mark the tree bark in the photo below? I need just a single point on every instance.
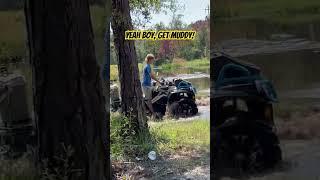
(106, 65)
(131, 93)
(68, 101)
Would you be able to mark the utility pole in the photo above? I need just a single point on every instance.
(207, 9)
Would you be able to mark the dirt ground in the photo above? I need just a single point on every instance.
(300, 161)
(182, 165)
(300, 144)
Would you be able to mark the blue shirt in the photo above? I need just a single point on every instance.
(146, 75)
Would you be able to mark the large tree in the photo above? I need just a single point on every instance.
(68, 101)
(131, 93)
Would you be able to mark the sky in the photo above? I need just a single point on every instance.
(193, 10)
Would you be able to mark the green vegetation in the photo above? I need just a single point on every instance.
(171, 136)
(282, 11)
(176, 66)
(182, 66)
(17, 169)
(13, 38)
(124, 141)
(165, 137)
(114, 71)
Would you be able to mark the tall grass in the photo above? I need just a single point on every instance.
(125, 142)
(114, 71)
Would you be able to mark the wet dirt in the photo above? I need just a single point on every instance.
(301, 161)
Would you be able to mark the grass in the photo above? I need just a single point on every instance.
(125, 143)
(164, 137)
(114, 71)
(13, 32)
(284, 11)
(184, 67)
(12, 36)
(17, 169)
(177, 66)
(173, 136)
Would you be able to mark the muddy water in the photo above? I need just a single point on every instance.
(262, 29)
(290, 71)
(287, 53)
(201, 84)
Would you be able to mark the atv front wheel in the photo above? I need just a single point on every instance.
(183, 108)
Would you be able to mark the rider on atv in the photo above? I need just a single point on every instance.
(146, 82)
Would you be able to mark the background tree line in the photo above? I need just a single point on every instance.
(18, 4)
(167, 50)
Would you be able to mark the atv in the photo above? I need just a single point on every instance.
(244, 133)
(178, 96)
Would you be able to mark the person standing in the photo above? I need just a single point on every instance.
(146, 82)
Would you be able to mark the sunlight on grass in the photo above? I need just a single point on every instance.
(199, 65)
(177, 135)
(165, 137)
(114, 71)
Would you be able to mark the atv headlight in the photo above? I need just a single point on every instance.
(242, 105)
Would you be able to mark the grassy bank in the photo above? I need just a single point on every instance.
(176, 67)
(13, 32)
(165, 137)
(114, 71)
(184, 67)
(285, 11)
(173, 136)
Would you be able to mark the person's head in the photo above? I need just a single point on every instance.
(149, 58)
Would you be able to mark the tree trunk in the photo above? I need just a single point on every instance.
(131, 95)
(106, 65)
(68, 100)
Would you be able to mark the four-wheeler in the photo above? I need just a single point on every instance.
(177, 95)
(244, 134)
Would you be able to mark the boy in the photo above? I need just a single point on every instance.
(146, 82)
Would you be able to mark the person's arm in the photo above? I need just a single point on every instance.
(154, 77)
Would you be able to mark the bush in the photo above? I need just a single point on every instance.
(125, 142)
